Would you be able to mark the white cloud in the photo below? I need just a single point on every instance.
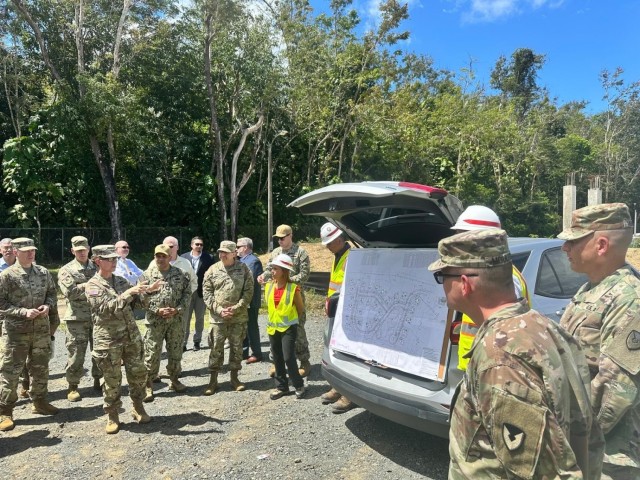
(491, 10)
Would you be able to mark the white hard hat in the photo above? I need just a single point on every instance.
(283, 261)
(477, 217)
(329, 232)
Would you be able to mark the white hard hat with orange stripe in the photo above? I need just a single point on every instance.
(329, 232)
(477, 217)
(283, 261)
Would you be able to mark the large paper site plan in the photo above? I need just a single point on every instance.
(392, 312)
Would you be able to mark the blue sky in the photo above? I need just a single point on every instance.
(580, 38)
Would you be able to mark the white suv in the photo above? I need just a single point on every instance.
(414, 218)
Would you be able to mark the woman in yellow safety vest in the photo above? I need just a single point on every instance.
(285, 306)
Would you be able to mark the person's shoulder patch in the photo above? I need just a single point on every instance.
(517, 430)
(623, 348)
(93, 292)
(633, 340)
(513, 436)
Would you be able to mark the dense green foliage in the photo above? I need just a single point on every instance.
(143, 113)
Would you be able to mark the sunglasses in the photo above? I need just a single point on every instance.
(439, 276)
(198, 244)
(125, 248)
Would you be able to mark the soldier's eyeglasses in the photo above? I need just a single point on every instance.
(440, 276)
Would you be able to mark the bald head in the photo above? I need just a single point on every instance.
(172, 243)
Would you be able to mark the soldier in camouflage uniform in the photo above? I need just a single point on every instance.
(27, 293)
(227, 291)
(522, 409)
(164, 319)
(604, 315)
(116, 338)
(299, 275)
(72, 280)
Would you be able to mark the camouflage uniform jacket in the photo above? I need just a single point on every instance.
(111, 311)
(522, 409)
(72, 280)
(301, 264)
(176, 292)
(225, 287)
(605, 318)
(21, 290)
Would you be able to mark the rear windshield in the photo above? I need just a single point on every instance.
(399, 227)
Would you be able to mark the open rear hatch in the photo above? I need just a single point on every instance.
(385, 214)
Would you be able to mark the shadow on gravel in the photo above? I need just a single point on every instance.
(177, 425)
(419, 452)
(19, 443)
(71, 414)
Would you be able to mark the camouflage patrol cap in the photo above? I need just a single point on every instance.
(473, 249)
(23, 244)
(80, 243)
(105, 251)
(227, 246)
(586, 220)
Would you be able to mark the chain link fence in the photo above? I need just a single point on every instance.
(54, 243)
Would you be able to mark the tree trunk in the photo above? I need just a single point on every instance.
(109, 183)
(217, 159)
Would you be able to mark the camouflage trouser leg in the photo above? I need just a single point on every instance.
(153, 338)
(108, 361)
(18, 348)
(217, 335)
(171, 332)
(79, 336)
(173, 339)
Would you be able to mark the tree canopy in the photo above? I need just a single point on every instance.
(149, 113)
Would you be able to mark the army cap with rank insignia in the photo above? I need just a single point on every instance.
(473, 249)
(227, 246)
(80, 243)
(23, 244)
(594, 218)
(105, 251)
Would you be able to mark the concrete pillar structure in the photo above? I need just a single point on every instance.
(594, 196)
(568, 204)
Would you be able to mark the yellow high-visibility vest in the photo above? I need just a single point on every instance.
(337, 274)
(286, 313)
(468, 329)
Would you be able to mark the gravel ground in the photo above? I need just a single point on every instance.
(230, 435)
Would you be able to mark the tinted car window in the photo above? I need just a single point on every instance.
(520, 260)
(400, 227)
(555, 277)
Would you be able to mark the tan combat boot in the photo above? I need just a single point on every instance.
(235, 383)
(42, 407)
(113, 422)
(148, 392)
(6, 423)
(139, 414)
(73, 395)
(24, 391)
(177, 385)
(213, 384)
(305, 368)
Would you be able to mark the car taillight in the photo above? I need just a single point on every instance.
(454, 333)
